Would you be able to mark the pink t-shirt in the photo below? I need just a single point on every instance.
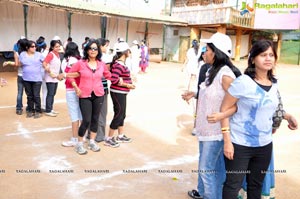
(91, 80)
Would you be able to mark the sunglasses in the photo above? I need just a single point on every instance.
(32, 46)
(93, 49)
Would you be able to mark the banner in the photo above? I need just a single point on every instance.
(276, 14)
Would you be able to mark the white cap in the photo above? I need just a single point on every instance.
(221, 42)
(122, 46)
(56, 38)
(135, 42)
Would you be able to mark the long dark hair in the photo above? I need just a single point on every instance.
(117, 56)
(53, 43)
(72, 50)
(87, 47)
(220, 60)
(22, 45)
(257, 48)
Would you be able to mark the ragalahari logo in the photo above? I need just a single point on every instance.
(246, 8)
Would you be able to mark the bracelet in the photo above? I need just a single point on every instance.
(225, 129)
(223, 132)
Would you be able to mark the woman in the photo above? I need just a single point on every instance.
(144, 62)
(248, 141)
(221, 73)
(135, 59)
(31, 62)
(269, 180)
(51, 65)
(90, 91)
(103, 44)
(120, 86)
(42, 48)
(19, 47)
(72, 56)
(191, 62)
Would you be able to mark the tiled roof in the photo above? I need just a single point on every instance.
(76, 6)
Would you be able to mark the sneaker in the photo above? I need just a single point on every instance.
(50, 114)
(19, 112)
(37, 115)
(72, 142)
(123, 139)
(29, 114)
(93, 146)
(111, 142)
(194, 194)
(55, 112)
(79, 148)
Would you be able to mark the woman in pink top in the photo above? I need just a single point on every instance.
(90, 91)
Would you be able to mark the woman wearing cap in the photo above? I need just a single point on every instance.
(135, 59)
(90, 91)
(221, 73)
(248, 142)
(120, 86)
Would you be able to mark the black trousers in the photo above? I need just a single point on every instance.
(33, 90)
(119, 102)
(250, 161)
(90, 109)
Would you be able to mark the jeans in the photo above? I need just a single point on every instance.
(33, 90)
(250, 161)
(51, 91)
(102, 120)
(20, 93)
(211, 169)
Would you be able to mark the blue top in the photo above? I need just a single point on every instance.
(251, 125)
(32, 66)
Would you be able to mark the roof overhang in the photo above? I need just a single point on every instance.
(75, 6)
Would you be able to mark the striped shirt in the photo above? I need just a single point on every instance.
(118, 71)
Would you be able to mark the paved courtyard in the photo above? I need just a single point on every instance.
(159, 163)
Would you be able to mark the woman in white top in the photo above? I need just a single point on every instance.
(219, 76)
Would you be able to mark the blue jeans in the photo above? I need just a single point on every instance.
(51, 91)
(20, 93)
(211, 169)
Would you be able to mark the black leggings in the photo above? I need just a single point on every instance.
(250, 161)
(119, 101)
(90, 109)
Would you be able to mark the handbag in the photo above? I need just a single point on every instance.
(279, 113)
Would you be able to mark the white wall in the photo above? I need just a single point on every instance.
(12, 25)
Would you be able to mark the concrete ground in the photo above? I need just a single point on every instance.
(159, 163)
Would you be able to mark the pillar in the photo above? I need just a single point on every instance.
(238, 45)
(194, 34)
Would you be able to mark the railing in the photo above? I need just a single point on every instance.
(200, 15)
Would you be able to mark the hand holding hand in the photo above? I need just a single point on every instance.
(215, 117)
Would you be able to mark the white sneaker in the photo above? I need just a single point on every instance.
(93, 146)
(72, 142)
(51, 114)
(79, 148)
(55, 112)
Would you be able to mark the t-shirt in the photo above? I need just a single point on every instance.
(209, 101)
(251, 125)
(31, 66)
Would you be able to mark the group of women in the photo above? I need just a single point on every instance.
(234, 121)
